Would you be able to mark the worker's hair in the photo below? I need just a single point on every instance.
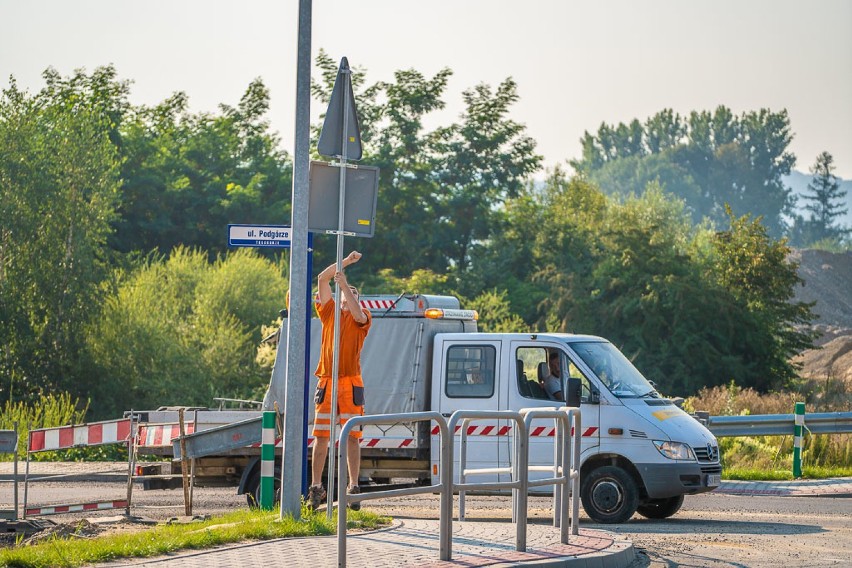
(553, 355)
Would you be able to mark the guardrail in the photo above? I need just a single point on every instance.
(779, 424)
(795, 424)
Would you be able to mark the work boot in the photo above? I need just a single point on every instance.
(354, 490)
(316, 497)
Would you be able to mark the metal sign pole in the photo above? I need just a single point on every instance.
(335, 372)
(293, 456)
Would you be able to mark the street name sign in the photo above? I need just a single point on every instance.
(276, 236)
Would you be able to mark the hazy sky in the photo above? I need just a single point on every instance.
(577, 62)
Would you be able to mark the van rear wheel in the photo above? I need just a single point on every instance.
(609, 495)
(660, 508)
(252, 489)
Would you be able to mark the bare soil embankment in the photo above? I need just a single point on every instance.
(828, 282)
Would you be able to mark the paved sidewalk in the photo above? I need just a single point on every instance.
(414, 542)
(839, 487)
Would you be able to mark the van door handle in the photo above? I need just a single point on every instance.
(446, 414)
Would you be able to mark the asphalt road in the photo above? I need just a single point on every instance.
(710, 530)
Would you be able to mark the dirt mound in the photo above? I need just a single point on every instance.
(828, 282)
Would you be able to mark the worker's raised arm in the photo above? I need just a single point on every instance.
(352, 304)
(325, 277)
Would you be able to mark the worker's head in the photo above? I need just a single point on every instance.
(355, 293)
(553, 363)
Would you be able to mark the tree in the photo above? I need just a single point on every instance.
(187, 176)
(395, 141)
(826, 199)
(709, 159)
(755, 269)
(59, 180)
(481, 162)
(182, 330)
(438, 190)
(639, 273)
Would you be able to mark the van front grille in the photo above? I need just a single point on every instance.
(707, 454)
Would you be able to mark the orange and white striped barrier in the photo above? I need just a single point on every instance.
(78, 508)
(154, 435)
(65, 437)
(80, 436)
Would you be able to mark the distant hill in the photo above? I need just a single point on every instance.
(798, 182)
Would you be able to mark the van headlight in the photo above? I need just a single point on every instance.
(674, 450)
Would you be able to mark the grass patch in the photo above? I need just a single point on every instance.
(244, 525)
(816, 472)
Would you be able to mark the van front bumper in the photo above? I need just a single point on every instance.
(663, 480)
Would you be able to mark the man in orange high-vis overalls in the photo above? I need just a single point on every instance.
(354, 326)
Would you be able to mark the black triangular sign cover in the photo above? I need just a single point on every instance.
(331, 137)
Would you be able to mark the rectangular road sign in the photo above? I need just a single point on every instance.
(362, 188)
(259, 236)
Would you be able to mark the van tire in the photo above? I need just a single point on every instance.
(660, 508)
(609, 495)
(252, 489)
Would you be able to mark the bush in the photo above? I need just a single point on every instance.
(46, 412)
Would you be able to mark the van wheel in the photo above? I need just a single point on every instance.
(660, 508)
(252, 489)
(609, 495)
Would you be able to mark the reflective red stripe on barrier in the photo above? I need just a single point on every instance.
(76, 508)
(94, 434)
(538, 431)
(151, 435)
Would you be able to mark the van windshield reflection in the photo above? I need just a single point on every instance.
(614, 370)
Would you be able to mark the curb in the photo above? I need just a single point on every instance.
(620, 555)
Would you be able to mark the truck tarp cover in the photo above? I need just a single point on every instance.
(395, 363)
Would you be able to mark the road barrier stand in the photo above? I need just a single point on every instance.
(799, 425)
(79, 436)
(9, 445)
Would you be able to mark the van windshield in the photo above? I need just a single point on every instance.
(614, 370)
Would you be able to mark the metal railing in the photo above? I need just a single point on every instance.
(778, 424)
(518, 482)
(565, 470)
(344, 498)
(565, 467)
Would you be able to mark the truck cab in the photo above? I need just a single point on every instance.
(639, 450)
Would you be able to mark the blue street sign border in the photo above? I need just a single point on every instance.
(269, 243)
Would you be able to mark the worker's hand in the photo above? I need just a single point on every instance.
(352, 258)
(340, 278)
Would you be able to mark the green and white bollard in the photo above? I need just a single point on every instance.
(267, 461)
(797, 439)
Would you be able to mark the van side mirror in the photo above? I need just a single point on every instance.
(575, 390)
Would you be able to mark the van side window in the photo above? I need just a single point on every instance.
(531, 368)
(575, 373)
(470, 371)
